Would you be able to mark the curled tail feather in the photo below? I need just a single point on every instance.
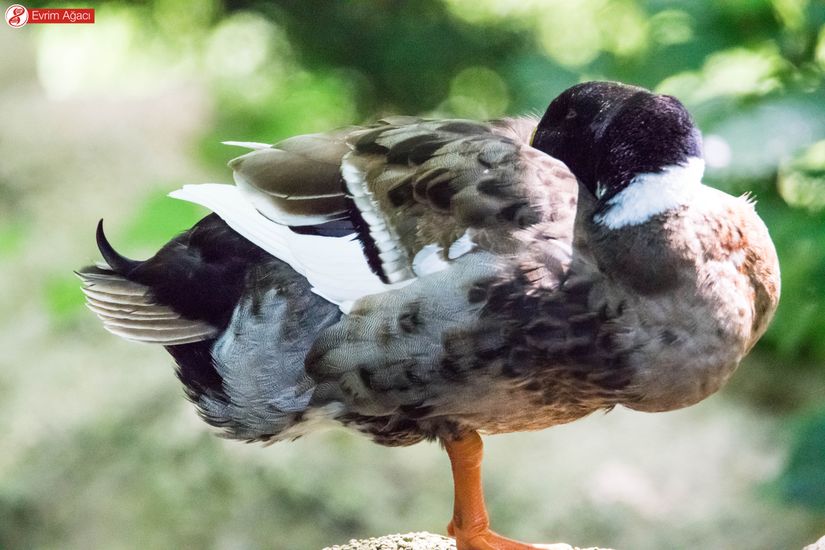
(128, 309)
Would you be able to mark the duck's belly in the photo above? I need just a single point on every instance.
(529, 411)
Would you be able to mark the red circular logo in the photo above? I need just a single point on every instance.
(17, 16)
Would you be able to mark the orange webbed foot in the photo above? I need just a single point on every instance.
(485, 540)
(471, 525)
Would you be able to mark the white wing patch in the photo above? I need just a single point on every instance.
(461, 246)
(248, 144)
(334, 266)
(429, 260)
(393, 259)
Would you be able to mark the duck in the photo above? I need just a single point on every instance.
(438, 280)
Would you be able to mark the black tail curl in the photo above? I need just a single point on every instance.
(200, 274)
(119, 264)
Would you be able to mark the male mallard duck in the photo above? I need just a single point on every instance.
(436, 279)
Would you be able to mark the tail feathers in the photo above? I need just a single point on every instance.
(115, 261)
(127, 310)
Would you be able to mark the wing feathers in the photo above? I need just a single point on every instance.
(247, 144)
(286, 174)
(415, 193)
(297, 212)
(296, 182)
(334, 266)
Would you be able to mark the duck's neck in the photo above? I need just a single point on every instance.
(650, 194)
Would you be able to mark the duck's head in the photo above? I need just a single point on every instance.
(616, 138)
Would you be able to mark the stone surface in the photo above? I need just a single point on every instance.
(426, 541)
(408, 541)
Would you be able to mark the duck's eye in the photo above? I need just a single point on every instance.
(571, 114)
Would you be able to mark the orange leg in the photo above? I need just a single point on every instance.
(471, 525)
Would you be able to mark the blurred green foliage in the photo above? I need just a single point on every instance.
(801, 179)
(803, 481)
(751, 71)
(157, 219)
(11, 238)
(61, 297)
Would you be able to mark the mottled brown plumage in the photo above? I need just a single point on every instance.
(420, 279)
(551, 316)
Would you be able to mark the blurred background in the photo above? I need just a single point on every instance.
(99, 448)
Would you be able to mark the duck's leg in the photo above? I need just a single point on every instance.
(471, 525)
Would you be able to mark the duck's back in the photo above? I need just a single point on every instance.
(362, 275)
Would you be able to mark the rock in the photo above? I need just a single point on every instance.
(427, 541)
(408, 541)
